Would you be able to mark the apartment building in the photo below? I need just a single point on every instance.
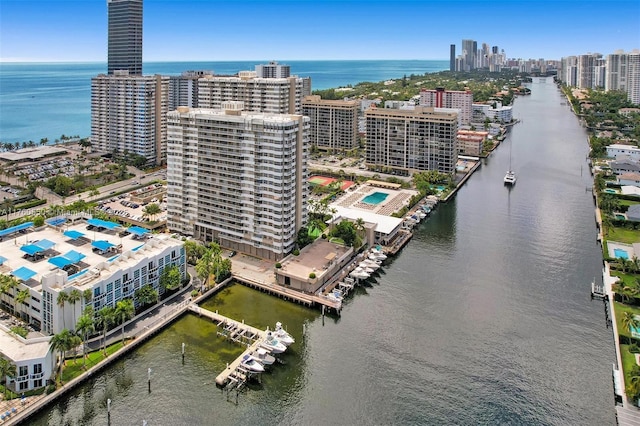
(238, 177)
(125, 36)
(405, 141)
(333, 123)
(89, 256)
(456, 99)
(269, 95)
(273, 70)
(128, 115)
(183, 89)
(470, 142)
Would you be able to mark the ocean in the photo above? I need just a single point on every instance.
(47, 100)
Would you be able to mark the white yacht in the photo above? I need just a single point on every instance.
(359, 273)
(510, 178)
(272, 344)
(251, 364)
(335, 295)
(282, 335)
(365, 267)
(262, 355)
(373, 264)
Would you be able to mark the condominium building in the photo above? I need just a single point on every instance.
(441, 98)
(273, 70)
(34, 361)
(238, 178)
(125, 36)
(469, 54)
(90, 256)
(333, 123)
(269, 95)
(471, 142)
(405, 141)
(183, 89)
(128, 115)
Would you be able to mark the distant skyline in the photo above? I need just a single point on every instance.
(212, 30)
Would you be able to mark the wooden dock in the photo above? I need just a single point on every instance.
(310, 300)
(598, 291)
(238, 332)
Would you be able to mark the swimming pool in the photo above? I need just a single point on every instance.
(620, 216)
(375, 198)
(620, 253)
(610, 191)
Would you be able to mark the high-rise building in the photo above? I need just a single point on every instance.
(469, 54)
(333, 123)
(238, 178)
(128, 115)
(456, 99)
(407, 141)
(271, 95)
(125, 36)
(586, 65)
(623, 73)
(183, 89)
(273, 70)
(452, 57)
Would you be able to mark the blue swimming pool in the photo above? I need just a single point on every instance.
(375, 198)
(610, 191)
(620, 253)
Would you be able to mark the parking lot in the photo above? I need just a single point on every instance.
(131, 205)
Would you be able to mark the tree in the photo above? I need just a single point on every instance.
(633, 384)
(124, 311)
(205, 267)
(7, 370)
(193, 251)
(61, 301)
(84, 328)
(74, 296)
(61, 343)
(629, 323)
(145, 295)
(151, 210)
(21, 298)
(7, 284)
(106, 317)
(87, 295)
(170, 278)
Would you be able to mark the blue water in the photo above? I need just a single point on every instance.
(47, 100)
(622, 254)
(375, 198)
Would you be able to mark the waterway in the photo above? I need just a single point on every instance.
(484, 318)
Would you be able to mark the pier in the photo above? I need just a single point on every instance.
(234, 376)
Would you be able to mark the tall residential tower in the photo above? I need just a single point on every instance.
(125, 36)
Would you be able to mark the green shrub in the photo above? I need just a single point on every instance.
(312, 275)
(278, 265)
(634, 349)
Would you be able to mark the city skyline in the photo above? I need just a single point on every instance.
(75, 31)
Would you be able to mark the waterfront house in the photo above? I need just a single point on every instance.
(31, 355)
(624, 165)
(618, 151)
(629, 179)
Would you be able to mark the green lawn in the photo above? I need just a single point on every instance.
(627, 202)
(630, 280)
(73, 368)
(623, 235)
(628, 359)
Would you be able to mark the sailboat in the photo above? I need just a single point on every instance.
(510, 177)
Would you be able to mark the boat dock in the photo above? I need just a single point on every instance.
(234, 376)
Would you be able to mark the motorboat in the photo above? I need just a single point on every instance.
(272, 344)
(377, 256)
(282, 335)
(335, 295)
(369, 270)
(263, 356)
(510, 178)
(359, 273)
(252, 364)
(344, 286)
(377, 251)
(371, 264)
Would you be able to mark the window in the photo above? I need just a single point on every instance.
(23, 370)
(37, 383)
(24, 385)
(37, 368)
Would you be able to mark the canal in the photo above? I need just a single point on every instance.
(484, 318)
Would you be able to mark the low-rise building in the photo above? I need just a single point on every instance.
(624, 165)
(471, 142)
(34, 361)
(92, 257)
(620, 151)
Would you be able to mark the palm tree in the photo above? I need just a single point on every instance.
(124, 311)
(87, 295)
(7, 370)
(74, 296)
(629, 323)
(105, 319)
(151, 210)
(84, 328)
(61, 343)
(61, 301)
(21, 298)
(7, 284)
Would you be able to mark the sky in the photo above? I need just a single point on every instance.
(216, 30)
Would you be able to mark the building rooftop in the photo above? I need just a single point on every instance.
(34, 153)
(78, 247)
(17, 349)
(314, 258)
